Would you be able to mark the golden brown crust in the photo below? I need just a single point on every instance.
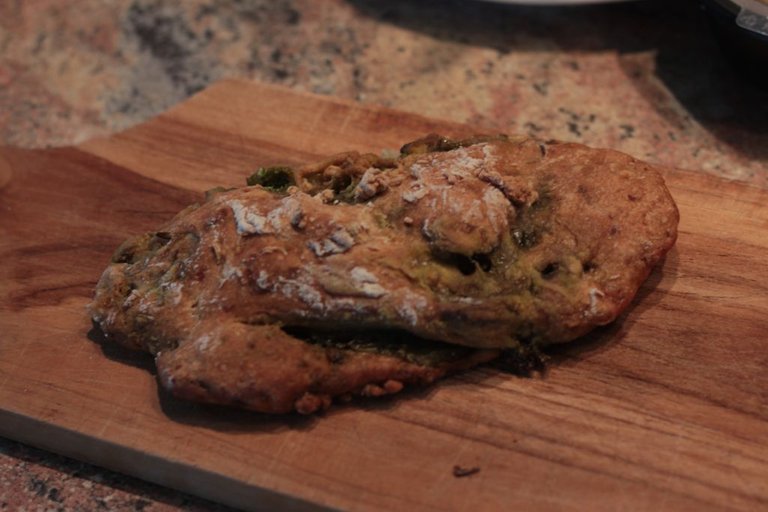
(263, 368)
(489, 243)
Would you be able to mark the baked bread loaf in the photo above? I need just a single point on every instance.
(361, 274)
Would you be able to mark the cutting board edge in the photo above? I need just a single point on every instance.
(89, 145)
(190, 479)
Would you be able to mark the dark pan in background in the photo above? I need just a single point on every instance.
(741, 29)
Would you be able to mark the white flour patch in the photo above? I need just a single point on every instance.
(489, 152)
(417, 170)
(425, 230)
(174, 290)
(292, 211)
(367, 283)
(249, 222)
(128, 302)
(343, 239)
(351, 305)
(594, 294)
(262, 281)
(370, 185)
(229, 272)
(468, 300)
(457, 164)
(276, 220)
(462, 163)
(409, 307)
(339, 242)
(497, 208)
(302, 289)
(416, 192)
(207, 342)
(310, 295)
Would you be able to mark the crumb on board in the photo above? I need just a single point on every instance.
(460, 472)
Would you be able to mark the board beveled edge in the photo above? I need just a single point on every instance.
(99, 145)
(168, 473)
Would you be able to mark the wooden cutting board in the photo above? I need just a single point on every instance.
(667, 409)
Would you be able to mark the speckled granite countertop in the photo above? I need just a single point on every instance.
(643, 77)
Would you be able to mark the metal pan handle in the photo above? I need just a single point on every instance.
(753, 16)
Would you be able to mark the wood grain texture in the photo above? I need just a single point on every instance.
(666, 409)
